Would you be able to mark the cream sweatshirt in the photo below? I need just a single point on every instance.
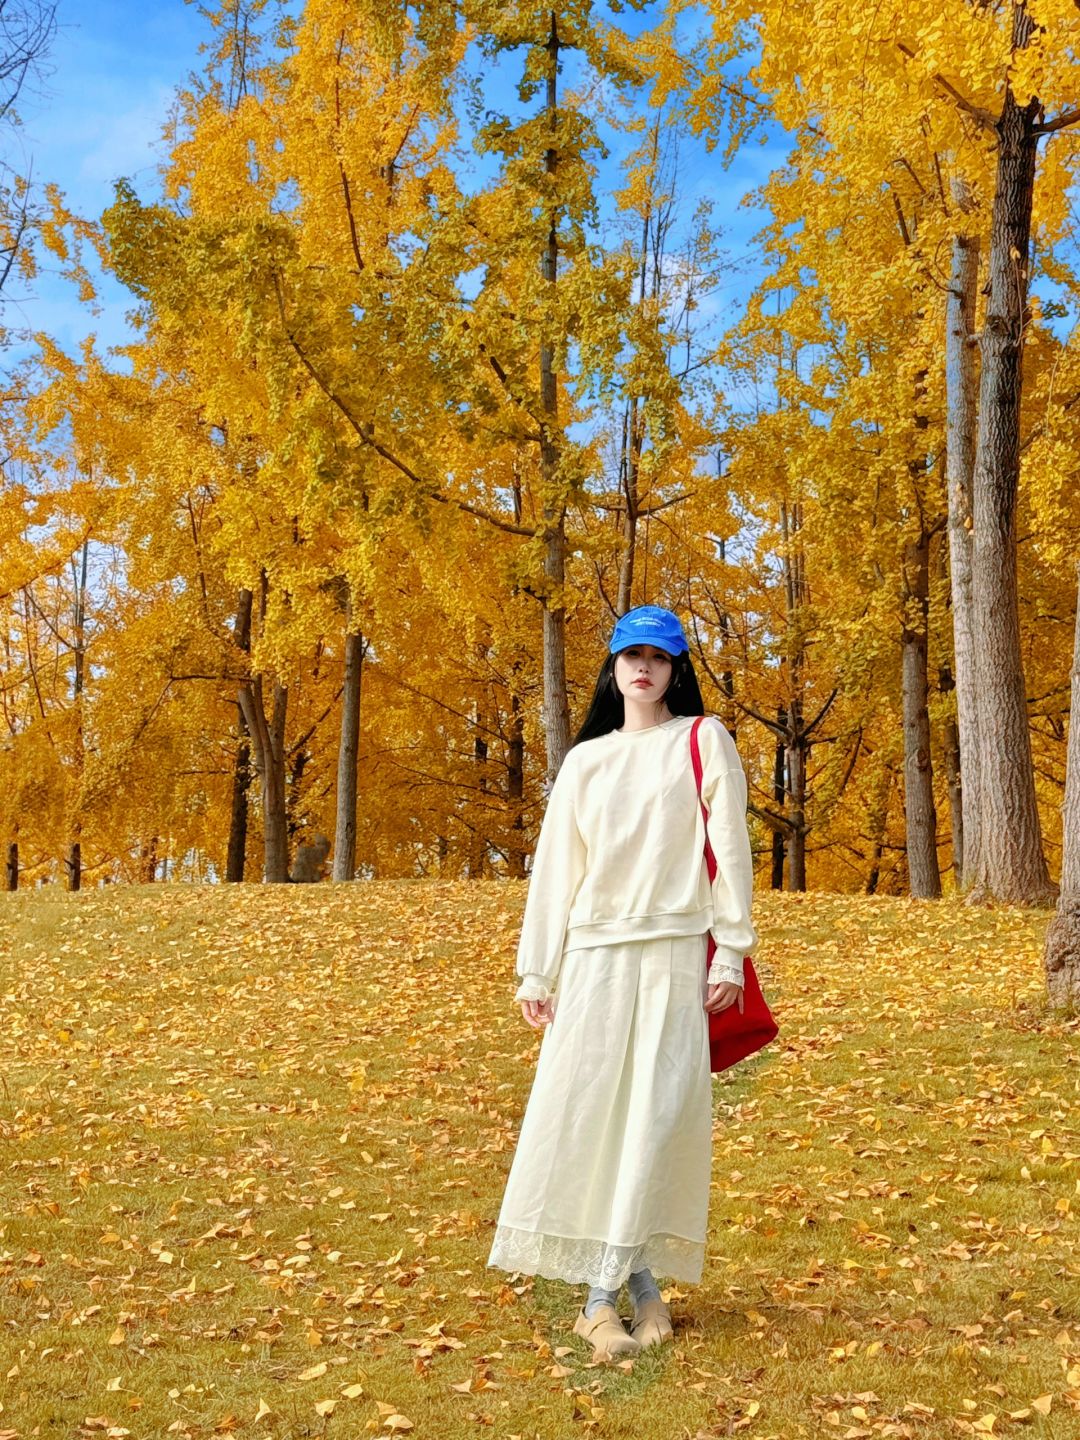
(620, 854)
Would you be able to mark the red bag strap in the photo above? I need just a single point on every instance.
(695, 756)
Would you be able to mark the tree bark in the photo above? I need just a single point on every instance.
(236, 855)
(919, 813)
(348, 754)
(556, 703)
(777, 875)
(13, 866)
(268, 741)
(950, 745)
(1010, 864)
(515, 788)
(1062, 954)
(961, 423)
(73, 862)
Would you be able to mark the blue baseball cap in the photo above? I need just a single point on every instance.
(648, 625)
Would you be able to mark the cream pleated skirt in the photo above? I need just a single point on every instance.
(614, 1155)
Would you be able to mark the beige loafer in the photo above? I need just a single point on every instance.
(606, 1333)
(652, 1323)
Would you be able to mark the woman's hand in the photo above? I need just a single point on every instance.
(722, 995)
(539, 1013)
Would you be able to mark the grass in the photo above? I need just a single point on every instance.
(254, 1142)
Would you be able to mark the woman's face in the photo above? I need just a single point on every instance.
(642, 673)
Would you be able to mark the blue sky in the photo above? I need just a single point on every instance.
(115, 65)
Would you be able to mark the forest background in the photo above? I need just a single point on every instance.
(438, 358)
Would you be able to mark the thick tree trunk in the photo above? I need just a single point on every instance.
(348, 755)
(920, 816)
(961, 424)
(556, 703)
(13, 865)
(236, 854)
(268, 740)
(1062, 956)
(1010, 864)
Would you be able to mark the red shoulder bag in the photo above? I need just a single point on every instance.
(733, 1033)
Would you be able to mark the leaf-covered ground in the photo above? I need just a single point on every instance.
(254, 1141)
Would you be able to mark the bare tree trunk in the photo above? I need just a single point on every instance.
(919, 812)
(556, 702)
(1062, 955)
(950, 744)
(148, 860)
(348, 754)
(961, 425)
(515, 788)
(73, 862)
(1010, 864)
(236, 855)
(797, 740)
(779, 791)
(13, 866)
(796, 777)
(268, 739)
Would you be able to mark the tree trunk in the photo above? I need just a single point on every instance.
(268, 740)
(13, 866)
(73, 862)
(961, 423)
(779, 791)
(797, 744)
(1010, 864)
(556, 703)
(148, 860)
(919, 812)
(1062, 955)
(796, 776)
(348, 755)
(236, 855)
(950, 745)
(515, 788)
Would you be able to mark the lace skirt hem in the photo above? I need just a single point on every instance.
(595, 1262)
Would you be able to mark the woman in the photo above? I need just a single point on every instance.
(610, 1177)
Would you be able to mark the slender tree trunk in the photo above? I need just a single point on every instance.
(796, 776)
(148, 860)
(236, 855)
(1062, 956)
(950, 746)
(13, 865)
(630, 459)
(961, 424)
(515, 788)
(73, 862)
(919, 812)
(1010, 864)
(556, 702)
(797, 742)
(779, 793)
(348, 754)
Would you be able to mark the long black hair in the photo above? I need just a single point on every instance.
(607, 709)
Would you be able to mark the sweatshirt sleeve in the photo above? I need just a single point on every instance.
(723, 788)
(558, 869)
